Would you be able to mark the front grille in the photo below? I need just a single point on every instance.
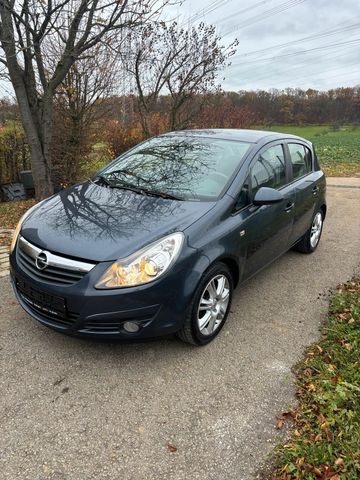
(58, 270)
(50, 274)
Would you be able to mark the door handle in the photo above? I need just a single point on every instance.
(315, 190)
(289, 207)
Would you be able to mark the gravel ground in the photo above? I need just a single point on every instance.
(73, 409)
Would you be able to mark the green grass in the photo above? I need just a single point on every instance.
(99, 156)
(325, 441)
(338, 150)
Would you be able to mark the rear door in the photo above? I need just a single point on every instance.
(268, 228)
(305, 186)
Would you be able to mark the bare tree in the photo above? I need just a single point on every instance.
(183, 63)
(28, 31)
(80, 104)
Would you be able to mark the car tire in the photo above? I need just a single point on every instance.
(210, 306)
(310, 241)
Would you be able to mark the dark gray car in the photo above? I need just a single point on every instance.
(157, 240)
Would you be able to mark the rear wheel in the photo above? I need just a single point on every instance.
(209, 309)
(311, 239)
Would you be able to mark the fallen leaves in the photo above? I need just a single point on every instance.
(290, 415)
(279, 424)
(325, 436)
(11, 212)
(171, 447)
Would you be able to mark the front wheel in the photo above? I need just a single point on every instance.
(311, 239)
(210, 306)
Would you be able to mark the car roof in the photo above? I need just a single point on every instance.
(240, 135)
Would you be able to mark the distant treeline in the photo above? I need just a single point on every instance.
(226, 109)
(247, 108)
(81, 143)
(293, 105)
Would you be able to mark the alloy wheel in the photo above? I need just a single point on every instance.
(213, 305)
(316, 230)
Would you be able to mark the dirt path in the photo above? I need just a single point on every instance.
(76, 410)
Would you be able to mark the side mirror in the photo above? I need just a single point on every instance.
(267, 196)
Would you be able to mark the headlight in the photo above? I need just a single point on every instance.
(19, 225)
(143, 266)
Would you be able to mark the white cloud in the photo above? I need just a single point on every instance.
(337, 65)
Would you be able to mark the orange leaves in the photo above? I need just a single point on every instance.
(279, 424)
(120, 137)
(322, 472)
(313, 469)
(225, 115)
(324, 425)
(281, 419)
(171, 447)
(321, 419)
(10, 212)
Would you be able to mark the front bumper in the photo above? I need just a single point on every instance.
(159, 308)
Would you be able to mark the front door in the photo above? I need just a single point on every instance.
(268, 228)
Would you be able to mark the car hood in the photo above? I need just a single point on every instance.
(98, 223)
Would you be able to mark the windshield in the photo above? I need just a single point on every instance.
(188, 168)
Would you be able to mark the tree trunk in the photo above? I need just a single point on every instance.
(36, 117)
(172, 120)
(38, 147)
(42, 179)
(144, 120)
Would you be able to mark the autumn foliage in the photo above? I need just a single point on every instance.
(83, 143)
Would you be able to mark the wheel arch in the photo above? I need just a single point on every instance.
(233, 266)
(323, 208)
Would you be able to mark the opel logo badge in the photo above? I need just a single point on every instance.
(41, 261)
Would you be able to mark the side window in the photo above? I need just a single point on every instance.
(269, 170)
(300, 159)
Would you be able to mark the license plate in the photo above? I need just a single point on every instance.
(43, 301)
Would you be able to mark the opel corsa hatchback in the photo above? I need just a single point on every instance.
(157, 240)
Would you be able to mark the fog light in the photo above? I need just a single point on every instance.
(131, 327)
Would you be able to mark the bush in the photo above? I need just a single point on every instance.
(14, 153)
(121, 138)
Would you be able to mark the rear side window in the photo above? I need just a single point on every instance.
(269, 170)
(301, 160)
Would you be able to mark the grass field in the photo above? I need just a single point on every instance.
(325, 436)
(338, 150)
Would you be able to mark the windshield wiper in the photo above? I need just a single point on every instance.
(102, 179)
(127, 186)
(142, 191)
(156, 193)
(121, 185)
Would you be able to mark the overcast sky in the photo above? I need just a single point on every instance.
(282, 43)
(273, 28)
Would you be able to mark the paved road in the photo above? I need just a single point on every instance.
(77, 410)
